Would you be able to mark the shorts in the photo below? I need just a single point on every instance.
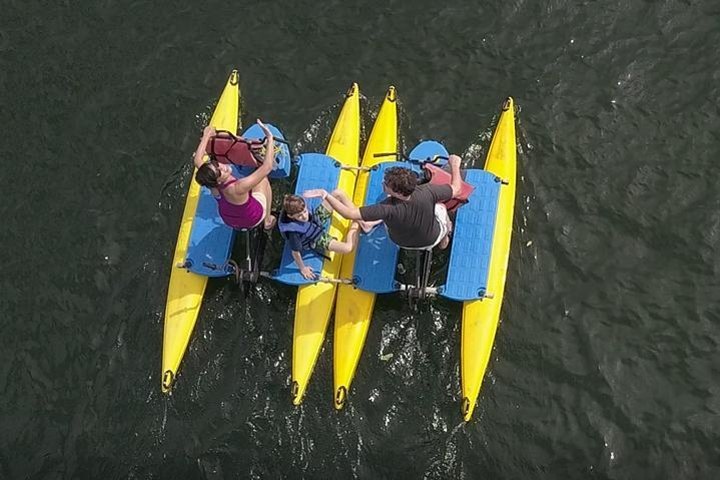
(322, 215)
(441, 216)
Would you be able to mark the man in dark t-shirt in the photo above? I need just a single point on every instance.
(414, 214)
(414, 222)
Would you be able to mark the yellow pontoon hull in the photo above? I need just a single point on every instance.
(480, 317)
(315, 302)
(354, 308)
(186, 289)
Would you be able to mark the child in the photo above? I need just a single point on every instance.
(306, 231)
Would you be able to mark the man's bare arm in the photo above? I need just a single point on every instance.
(456, 177)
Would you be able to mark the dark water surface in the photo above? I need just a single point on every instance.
(606, 360)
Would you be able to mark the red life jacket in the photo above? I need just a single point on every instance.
(438, 176)
(227, 148)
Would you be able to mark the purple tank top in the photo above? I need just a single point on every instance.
(247, 215)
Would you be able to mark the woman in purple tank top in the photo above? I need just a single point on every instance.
(242, 202)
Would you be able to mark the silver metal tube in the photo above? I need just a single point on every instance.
(428, 290)
(346, 281)
(349, 167)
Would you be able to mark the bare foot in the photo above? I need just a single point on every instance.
(269, 222)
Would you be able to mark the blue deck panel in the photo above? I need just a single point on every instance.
(316, 171)
(211, 241)
(472, 239)
(376, 257)
(375, 261)
(283, 159)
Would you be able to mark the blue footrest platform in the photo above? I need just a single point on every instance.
(316, 171)
(472, 239)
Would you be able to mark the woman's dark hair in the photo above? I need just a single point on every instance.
(401, 180)
(208, 173)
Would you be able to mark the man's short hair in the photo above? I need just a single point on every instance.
(401, 180)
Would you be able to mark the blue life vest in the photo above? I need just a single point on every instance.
(309, 231)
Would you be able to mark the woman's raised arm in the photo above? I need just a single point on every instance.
(200, 152)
